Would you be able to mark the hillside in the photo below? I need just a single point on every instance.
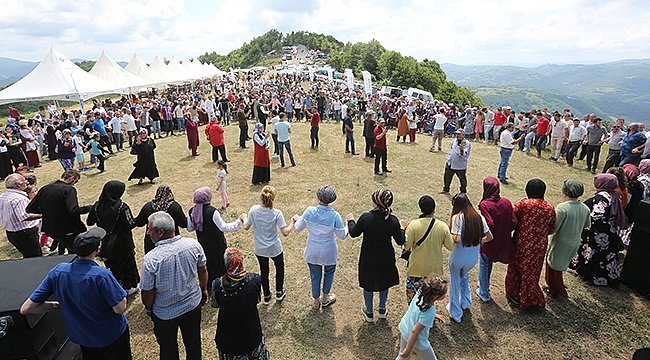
(616, 89)
(12, 70)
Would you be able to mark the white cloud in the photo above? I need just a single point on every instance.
(460, 31)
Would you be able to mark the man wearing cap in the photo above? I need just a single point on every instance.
(61, 211)
(457, 162)
(21, 227)
(92, 301)
(170, 292)
(380, 147)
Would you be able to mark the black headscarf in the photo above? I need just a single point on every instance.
(535, 189)
(109, 204)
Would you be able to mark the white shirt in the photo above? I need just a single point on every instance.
(116, 125)
(129, 123)
(440, 122)
(282, 129)
(507, 139)
(222, 175)
(265, 223)
(577, 133)
(489, 117)
(558, 128)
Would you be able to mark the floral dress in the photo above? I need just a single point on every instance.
(597, 258)
(535, 221)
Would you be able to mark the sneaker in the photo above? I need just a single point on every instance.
(382, 313)
(370, 317)
(444, 192)
(267, 299)
(275, 156)
(329, 299)
(132, 291)
(280, 295)
(316, 304)
(484, 299)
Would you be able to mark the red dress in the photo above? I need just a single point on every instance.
(192, 131)
(535, 221)
(261, 160)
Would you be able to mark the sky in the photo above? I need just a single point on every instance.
(465, 32)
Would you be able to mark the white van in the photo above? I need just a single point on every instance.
(419, 94)
(391, 91)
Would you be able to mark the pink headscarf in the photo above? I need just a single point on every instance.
(202, 195)
(608, 183)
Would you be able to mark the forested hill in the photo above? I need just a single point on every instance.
(611, 90)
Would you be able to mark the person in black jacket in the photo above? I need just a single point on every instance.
(61, 211)
(163, 201)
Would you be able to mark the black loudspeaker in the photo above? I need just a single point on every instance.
(636, 267)
(37, 337)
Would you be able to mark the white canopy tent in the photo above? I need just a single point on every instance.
(192, 68)
(58, 78)
(179, 73)
(163, 75)
(107, 69)
(138, 67)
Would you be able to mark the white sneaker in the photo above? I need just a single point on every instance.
(132, 291)
(275, 156)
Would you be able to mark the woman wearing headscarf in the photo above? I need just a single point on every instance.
(261, 159)
(635, 192)
(145, 166)
(209, 226)
(114, 216)
(501, 219)
(621, 189)
(377, 270)
(644, 178)
(266, 221)
(402, 126)
(50, 136)
(321, 253)
(571, 218)
(636, 272)
(597, 257)
(30, 145)
(163, 201)
(192, 131)
(66, 150)
(236, 294)
(425, 237)
(535, 221)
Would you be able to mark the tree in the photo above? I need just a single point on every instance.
(86, 64)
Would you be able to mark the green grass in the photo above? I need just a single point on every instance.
(594, 323)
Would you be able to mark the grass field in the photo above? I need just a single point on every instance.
(594, 323)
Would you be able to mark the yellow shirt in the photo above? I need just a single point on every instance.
(426, 259)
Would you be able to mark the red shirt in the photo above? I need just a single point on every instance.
(542, 125)
(215, 132)
(499, 119)
(315, 118)
(381, 143)
(13, 113)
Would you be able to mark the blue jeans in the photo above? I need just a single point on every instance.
(368, 295)
(484, 272)
(487, 128)
(349, 141)
(180, 121)
(156, 129)
(503, 165)
(316, 275)
(119, 140)
(286, 144)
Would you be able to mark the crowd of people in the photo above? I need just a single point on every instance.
(179, 275)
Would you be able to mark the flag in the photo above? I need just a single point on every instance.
(350, 76)
(367, 82)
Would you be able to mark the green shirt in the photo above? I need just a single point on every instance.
(571, 218)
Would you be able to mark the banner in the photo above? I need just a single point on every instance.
(330, 75)
(367, 82)
(350, 76)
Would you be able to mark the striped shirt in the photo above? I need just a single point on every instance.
(12, 211)
(171, 268)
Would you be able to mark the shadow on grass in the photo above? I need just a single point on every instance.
(188, 158)
(136, 188)
(373, 341)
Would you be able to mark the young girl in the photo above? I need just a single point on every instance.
(266, 221)
(97, 150)
(78, 140)
(418, 320)
(468, 231)
(221, 183)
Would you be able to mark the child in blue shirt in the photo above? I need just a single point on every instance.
(419, 318)
(97, 150)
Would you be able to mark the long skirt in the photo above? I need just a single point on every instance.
(261, 175)
(32, 158)
(124, 270)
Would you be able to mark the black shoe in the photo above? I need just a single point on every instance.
(387, 171)
(355, 153)
(378, 173)
(549, 293)
(513, 301)
(504, 181)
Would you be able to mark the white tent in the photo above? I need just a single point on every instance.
(58, 78)
(163, 75)
(178, 72)
(107, 69)
(192, 69)
(138, 67)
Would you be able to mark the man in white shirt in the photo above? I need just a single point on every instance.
(116, 128)
(129, 125)
(559, 132)
(440, 121)
(489, 123)
(283, 129)
(576, 134)
(507, 145)
(614, 141)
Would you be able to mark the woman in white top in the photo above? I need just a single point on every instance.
(468, 231)
(266, 221)
(321, 252)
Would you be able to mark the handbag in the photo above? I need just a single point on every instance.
(109, 241)
(406, 254)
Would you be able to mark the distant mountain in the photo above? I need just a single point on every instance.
(12, 70)
(616, 89)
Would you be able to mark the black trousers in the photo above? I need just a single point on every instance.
(572, 149)
(370, 142)
(101, 159)
(118, 350)
(166, 332)
(219, 149)
(278, 262)
(106, 142)
(613, 159)
(243, 135)
(380, 155)
(593, 152)
(63, 243)
(313, 135)
(276, 148)
(26, 242)
(449, 174)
